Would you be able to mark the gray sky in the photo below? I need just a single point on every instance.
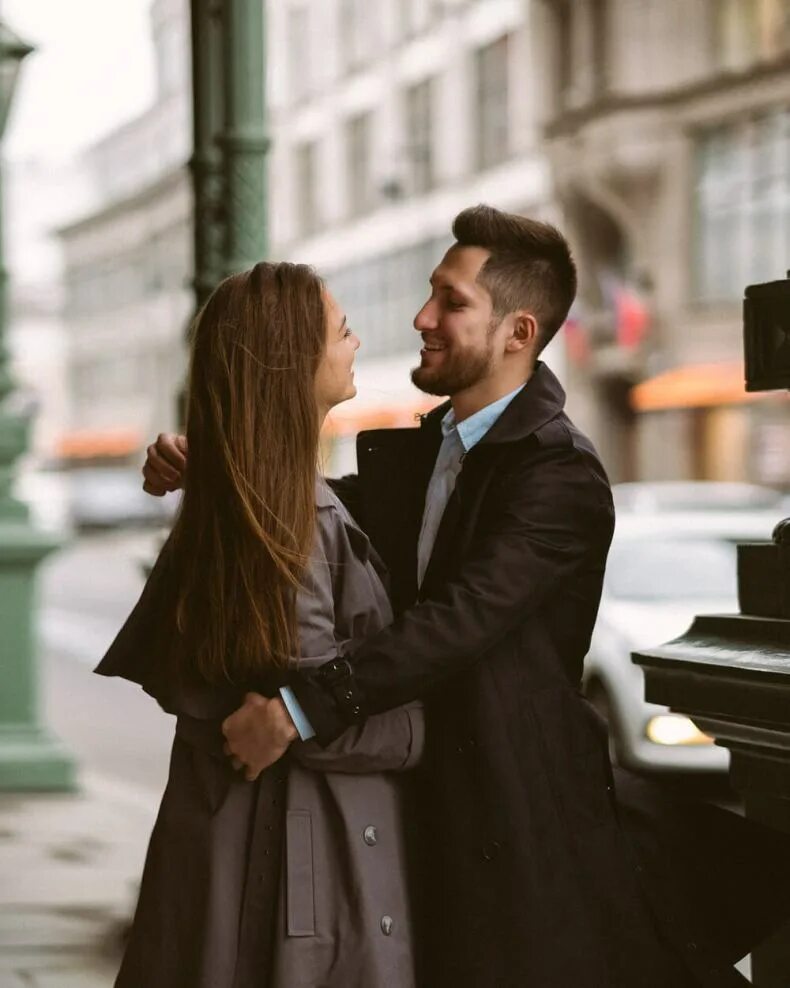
(93, 69)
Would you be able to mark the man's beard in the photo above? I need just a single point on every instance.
(457, 373)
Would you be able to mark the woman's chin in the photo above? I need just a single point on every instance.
(350, 393)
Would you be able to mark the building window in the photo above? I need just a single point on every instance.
(298, 54)
(742, 205)
(358, 33)
(419, 111)
(171, 58)
(417, 15)
(583, 49)
(600, 53)
(492, 110)
(306, 191)
(359, 164)
(382, 295)
(750, 31)
(347, 33)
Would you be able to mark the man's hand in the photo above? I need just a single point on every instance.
(257, 734)
(165, 463)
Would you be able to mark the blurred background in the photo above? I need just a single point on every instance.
(655, 133)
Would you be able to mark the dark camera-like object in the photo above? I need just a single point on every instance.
(766, 335)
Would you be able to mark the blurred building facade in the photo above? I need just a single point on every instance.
(37, 336)
(128, 266)
(386, 120)
(664, 153)
(35, 192)
(667, 125)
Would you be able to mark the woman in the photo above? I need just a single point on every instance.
(298, 879)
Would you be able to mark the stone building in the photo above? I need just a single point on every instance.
(128, 266)
(386, 120)
(667, 125)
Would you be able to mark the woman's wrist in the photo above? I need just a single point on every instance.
(284, 724)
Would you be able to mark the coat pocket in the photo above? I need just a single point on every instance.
(299, 892)
(211, 775)
(575, 757)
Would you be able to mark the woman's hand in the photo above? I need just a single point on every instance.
(257, 734)
(165, 464)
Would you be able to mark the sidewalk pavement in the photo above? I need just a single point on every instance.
(69, 871)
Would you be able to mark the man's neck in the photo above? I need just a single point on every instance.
(471, 400)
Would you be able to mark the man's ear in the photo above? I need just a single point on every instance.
(524, 333)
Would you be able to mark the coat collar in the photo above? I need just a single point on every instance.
(542, 399)
(324, 498)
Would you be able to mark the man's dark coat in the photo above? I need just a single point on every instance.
(534, 882)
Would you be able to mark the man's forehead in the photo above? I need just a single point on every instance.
(459, 268)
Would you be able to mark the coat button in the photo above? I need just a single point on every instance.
(386, 925)
(491, 850)
(370, 836)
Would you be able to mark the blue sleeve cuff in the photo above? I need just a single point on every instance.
(303, 726)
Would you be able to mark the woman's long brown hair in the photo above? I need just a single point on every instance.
(246, 526)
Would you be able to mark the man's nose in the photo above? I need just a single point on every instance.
(425, 319)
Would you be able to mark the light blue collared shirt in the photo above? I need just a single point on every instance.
(303, 726)
(458, 440)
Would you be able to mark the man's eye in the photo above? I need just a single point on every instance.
(455, 305)
(347, 333)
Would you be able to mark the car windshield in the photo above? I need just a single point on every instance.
(679, 569)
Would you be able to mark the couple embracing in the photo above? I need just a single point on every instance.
(384, 774)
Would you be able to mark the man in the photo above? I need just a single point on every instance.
(494, 518)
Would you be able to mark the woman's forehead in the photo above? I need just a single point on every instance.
(331, 303)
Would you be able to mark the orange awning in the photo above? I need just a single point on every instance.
(84, 444)
(347, 421)
(693, 386)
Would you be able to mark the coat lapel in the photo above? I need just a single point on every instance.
(394, 468)
(537, 404)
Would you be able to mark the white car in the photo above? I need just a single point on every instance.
(113, 497)
(673, 556)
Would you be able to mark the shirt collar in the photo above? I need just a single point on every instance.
(472, 429)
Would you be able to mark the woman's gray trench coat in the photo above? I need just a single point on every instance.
(302, 878)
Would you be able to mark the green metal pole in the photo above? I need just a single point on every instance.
(30, 758)
(228, 162)
(244, 141)
(206, 162)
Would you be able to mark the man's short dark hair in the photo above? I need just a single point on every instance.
(530, 266)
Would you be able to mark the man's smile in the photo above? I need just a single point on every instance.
(432, 346)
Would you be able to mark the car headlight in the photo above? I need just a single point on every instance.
(675, 729)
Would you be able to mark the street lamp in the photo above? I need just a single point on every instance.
(30, 758)
(12, 50)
